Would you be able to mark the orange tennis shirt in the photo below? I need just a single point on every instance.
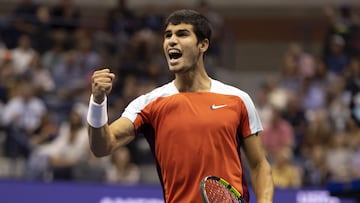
(195, 134)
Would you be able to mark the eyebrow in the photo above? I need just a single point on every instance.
(177, 31)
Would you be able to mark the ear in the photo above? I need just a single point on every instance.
(204, 45)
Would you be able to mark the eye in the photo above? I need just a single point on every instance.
(167, 35)
(182, 34)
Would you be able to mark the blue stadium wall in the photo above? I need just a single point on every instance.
(60, 192)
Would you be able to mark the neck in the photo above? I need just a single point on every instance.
(195, 80)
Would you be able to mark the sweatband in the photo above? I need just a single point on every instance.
(97, 114)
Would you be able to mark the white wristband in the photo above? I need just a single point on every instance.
(97, 114)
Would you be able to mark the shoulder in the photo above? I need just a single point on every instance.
(159, 92)
(144, 101)
(164, 90)
(222, 88)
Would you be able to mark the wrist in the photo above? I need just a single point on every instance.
(98, 98)
(97, 113)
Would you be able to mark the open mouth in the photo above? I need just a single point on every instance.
(173, 54)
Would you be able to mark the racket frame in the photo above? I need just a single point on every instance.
(223, 182)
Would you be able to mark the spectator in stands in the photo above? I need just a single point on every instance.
(313, 95)
(303, 61)
(318, 131)
(142, 59)
(122, 170)
(46, 132)
(65, 15)
(121, 20)
(355, 162)
(338, 158)
(121, 23)
(263, 105)
(23, 16)
(69, 80)
(338, 104)
(61, 155)
(7, 77)
(285, 173)
(339, 23)
(316, 172)
(41, 37)
(55, 55)
(354, 36)
(337, 59)
(290, 79)
(277, 95)
(295, 115)
(40, 77)
(69, 70)
(85, 56)
(22, 54)
(321, 78)
(313, 101)
(352, 130)
(278, 134)
(353, 88)
(152, 19)
(3, 51)
(21, 117)
(91, 169)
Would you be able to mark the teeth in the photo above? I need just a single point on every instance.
(174, 51)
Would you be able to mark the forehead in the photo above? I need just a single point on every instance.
(181, 26)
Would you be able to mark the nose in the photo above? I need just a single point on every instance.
(173, 41)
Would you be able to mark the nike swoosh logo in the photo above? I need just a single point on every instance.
(213, 107)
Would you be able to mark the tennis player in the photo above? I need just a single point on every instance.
(195, 125)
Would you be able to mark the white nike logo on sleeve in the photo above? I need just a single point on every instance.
(213, 107)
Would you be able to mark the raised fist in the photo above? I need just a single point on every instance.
(101, 84)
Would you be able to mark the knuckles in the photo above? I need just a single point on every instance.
(102, 81)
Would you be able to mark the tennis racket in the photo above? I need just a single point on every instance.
(217, 190)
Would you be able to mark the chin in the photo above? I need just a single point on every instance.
(175, 69)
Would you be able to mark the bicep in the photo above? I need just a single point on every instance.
(123, 131)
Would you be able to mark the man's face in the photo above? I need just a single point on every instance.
(181, 48)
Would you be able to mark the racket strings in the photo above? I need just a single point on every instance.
(218, 193)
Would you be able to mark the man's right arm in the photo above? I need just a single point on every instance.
(105, 139)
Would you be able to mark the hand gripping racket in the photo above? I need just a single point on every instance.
(217, 190)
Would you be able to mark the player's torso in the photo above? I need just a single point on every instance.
(193, 134)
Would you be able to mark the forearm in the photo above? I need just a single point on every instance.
(262, 181)
(101, 141)
(98, 127)
(104, 138)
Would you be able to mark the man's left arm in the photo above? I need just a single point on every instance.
(260, 169)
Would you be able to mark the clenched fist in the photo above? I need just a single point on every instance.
(101, 84)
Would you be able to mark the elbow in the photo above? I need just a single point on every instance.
(100, 153)
(262, 166)
(266, 166)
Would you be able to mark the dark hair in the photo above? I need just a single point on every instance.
(201, 25)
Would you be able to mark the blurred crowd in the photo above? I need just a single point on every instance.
(310, 112)
(47, 56)
(46, 59)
